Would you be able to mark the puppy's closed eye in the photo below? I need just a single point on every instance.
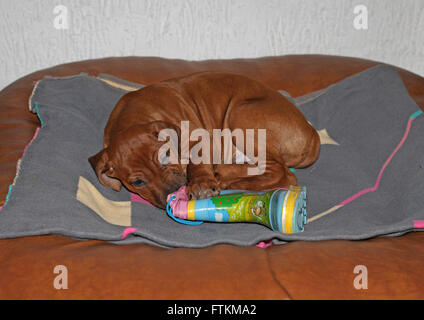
(138, 183)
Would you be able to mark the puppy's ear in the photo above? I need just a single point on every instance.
(104, 170)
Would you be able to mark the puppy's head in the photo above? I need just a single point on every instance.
(144, 161)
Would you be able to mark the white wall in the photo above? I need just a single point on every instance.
(206, 29)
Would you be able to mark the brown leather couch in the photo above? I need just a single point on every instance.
(298, 270)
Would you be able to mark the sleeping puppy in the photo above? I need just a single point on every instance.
(195, 108)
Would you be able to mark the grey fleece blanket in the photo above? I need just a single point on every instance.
(368, 181)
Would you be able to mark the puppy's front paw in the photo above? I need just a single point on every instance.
(201, 189)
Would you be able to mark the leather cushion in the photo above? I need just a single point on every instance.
(295, 270)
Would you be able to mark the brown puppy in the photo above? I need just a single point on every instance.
(208, 100)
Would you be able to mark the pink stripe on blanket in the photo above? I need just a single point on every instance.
(128, 231)
(18, 166)
(32, 140)
(377, 183)
(418, 224)
(265, 244)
